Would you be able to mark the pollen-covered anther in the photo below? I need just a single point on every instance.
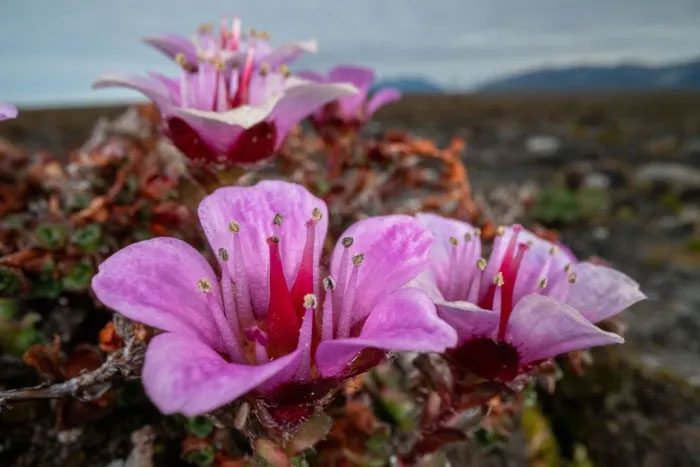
(316, 214)
(204, 285)
(234, 226)
(309, 300)
(498, 280)
(500, 230)
(328, 283)
(567, 268)
(477, 232)
(273, 240)
(553, 249)
(347, 242)
(481, 264)
(467, 237)
(205, 28)
(223, 254)
(453, 241)
(358, 259)
(542, 283)
(572, 278)
(277, 219)
(264, 69)
(181, 60)
(284, 70)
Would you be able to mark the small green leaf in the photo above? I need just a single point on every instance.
(202, 457)
(88, 238)
(78, 277)
(201, 427)
(50, 236)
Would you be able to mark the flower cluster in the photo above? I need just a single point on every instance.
(235, 99)
(532, 300)
(268, 323)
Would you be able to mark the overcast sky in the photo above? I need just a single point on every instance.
(51, 50)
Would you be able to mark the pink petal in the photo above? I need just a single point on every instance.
(395, 251)
(254, 209)
(173, 44)
(468, 319)
(310, 75)
(360, 77)
(155, 282)
(184, 375)
(7, 111)
(152, 88)
(405, 320)
(381, 98)
(287, 53)
(601, 292)
(301, 100)
(541, 328)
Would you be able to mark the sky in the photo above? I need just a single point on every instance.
(51, 51)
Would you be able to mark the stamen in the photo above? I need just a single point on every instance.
(264, 69)
(277, 220)
(327, 317)
(487, 300)
(345, 320)
(305, 338)
(453, 276)
(223, 254)
(231, 344)
(474, 287)
(342, 276)
(240, 276)
(542, 283)
(282, 320)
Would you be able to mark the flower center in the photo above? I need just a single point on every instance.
(488, 358)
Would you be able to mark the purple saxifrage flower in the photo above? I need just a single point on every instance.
(7, 111)
(350, 113)
(268, 324)
(227, 107)
(532, 300)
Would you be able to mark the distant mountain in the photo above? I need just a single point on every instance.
(625, 77)
(411, 85)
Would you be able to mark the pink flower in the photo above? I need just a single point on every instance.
(268, 323)
(235, 101)
(7, 111)
(351, 112)
(532, 300)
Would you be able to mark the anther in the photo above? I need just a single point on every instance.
(567, 268)
(498, 280)
(542, 284)
(284, 70)
(467, 237)
(316, 214)
(234, 227)
(347, 242)
(273, 239)
(358, 259)
(500, 230)
(553, 249)
(481, 264)
(264, 69)
(309, 300)
(477, 232)
(328, 283)
(572, 278)
(223, 254)
(277, 220)
(453, 241)
(204, 285)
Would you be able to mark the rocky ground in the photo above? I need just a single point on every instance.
(619, 177)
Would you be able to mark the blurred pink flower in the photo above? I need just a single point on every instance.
(260, 326)
(7, 111)
(235, 100)
(353, 111)
(532, 300)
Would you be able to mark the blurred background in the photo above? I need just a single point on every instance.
(580, 117)
(51, 51)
